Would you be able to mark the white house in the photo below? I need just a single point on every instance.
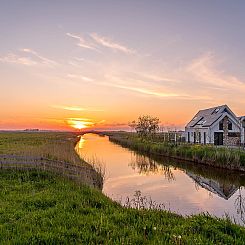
(217, 125)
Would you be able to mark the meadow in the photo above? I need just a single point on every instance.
(45, 207)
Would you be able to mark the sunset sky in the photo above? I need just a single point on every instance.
(101, 64)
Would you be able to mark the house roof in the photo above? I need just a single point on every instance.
(205, 118)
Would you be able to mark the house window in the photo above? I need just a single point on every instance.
(234, 134)
(229, 126)
(201, 122)
(243, 123)
(195, 137)
(204, 138)
(188, 137)
(221, 126)
(216, 111)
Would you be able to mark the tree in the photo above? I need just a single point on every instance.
(132, 125)
(146, 125)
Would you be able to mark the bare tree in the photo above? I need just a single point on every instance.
(132, 125)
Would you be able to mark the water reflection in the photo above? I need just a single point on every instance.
(182, 187)
(240, 205)
(224, 190)
(147, 166)
(219, 182)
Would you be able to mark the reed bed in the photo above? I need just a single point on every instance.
(233, 159)
(47, 151)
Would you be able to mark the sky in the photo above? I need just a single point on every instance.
(100, 64)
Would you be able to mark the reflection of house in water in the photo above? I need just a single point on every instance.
(224, 190)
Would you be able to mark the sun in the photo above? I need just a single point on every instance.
(80, 123)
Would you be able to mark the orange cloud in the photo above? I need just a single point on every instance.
(75, 108)
(79, 123)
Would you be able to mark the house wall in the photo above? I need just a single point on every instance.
(227, 141)
(243, 136)
(197, 131)
(242, 133)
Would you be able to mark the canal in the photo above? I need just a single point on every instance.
(181, 187)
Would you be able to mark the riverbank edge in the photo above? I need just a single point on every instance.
(228, 158)
(80, 214)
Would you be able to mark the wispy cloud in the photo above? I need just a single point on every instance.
(75, 108)
(144, 91)
(41, 58)
(84, 78)
(33, 59)
(81, 42)
(93, 41)
(16, 59)
(157, 78)
(115, 124)
(116, 82)
(139, 86)
(106, 42)
(196, 80)
(204, 69)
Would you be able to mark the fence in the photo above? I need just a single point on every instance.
(78, 173)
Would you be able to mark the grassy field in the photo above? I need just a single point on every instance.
(40, 207)
(43, 208)
(49, 144)
(48, 150)
(205, 154)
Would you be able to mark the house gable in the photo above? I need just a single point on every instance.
(230, 117)
(207, 117)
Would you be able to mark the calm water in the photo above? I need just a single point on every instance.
(182, 187)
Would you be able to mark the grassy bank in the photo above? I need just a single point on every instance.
(42, 208)
(205, 154)
(51, 151)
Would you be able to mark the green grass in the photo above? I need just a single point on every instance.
(39, 207)
(205, 154)
(29, 143)
(43, 208)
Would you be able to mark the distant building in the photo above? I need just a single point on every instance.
(31, 130)
(217, 125)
